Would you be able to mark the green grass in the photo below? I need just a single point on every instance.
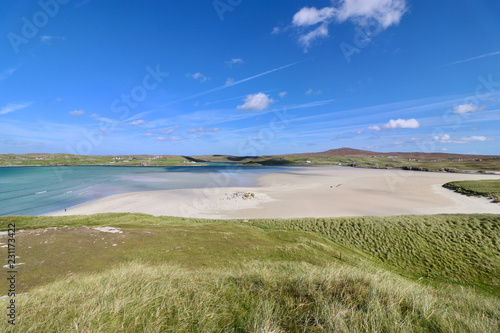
(442, 248)
(443, 165)
(438, 273)
(448, 164)
(69, 159)
(256, 297)
(487, 188)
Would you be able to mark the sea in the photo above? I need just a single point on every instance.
(46, 189)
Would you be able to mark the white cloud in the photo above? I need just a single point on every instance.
(171, 138)
(380, 13)
(402, 123)
(383, 12)
(201, 129)
(229, 81)
(359, 132)
(310, 16)
(394, 124)
(76, 113)
(442, 138)
(198, 76)
(446, 138)
(11, 107)
(234, 61)
(256, 102)
(94, 115)
(374, 128)
(466, 108)
(283, 94)
(137, 122)
(307, 39)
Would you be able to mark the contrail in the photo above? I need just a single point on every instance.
(475, 58)
(234, 83)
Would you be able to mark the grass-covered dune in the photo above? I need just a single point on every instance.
(437, 273)
(486, 188)
(253, 298)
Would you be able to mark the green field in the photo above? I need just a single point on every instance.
(69, 159)
(486, 188)
(438, 273)
(343, 156)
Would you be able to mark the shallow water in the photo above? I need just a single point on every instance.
(42, 190)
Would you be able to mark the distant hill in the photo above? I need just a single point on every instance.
(411, 155)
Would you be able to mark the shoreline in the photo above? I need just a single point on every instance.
(325, 191)
(202, 164)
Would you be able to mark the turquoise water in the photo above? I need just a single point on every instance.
(42, 190)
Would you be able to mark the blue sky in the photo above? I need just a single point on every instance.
(248, 77)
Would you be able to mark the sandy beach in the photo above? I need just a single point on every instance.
(312, 192)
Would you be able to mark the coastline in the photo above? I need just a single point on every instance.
(322, 191)
(203, 164)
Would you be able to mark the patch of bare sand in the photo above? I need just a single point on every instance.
(313, 192)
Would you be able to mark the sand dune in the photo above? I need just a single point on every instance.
(312, 192)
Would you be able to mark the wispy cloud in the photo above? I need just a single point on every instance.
(76, 113)
(314, 92)
(167, 130)
(474, 58)
(374, 128)
(308, 38)
(11, 107)
(234, 61)
(198, 76)
(6, 73)
(46, 39)
(137, 122)
(446, 138)
(203, 130)
(170, 138)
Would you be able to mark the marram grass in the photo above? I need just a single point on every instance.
(488, 188)
(255, 297)
(437, 273)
